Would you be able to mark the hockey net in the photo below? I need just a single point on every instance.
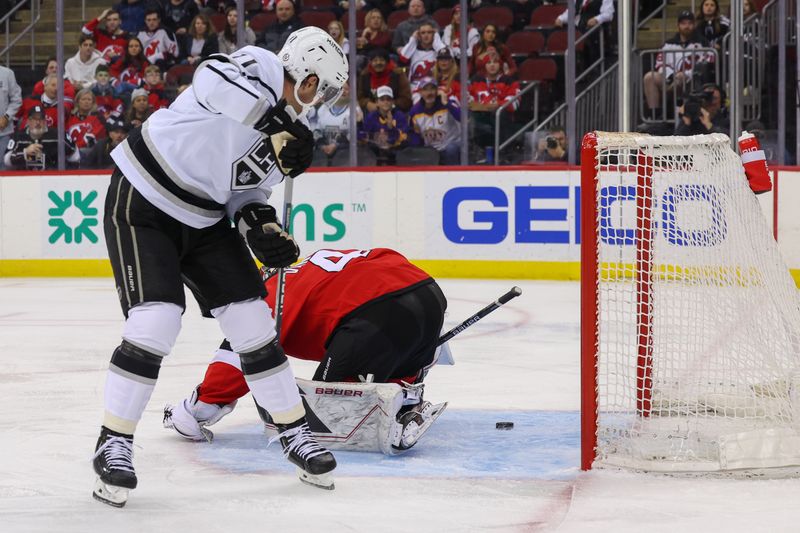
(690, 322)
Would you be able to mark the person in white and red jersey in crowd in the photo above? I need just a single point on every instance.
(99, 157)
(10, 103)
(420, 54)
(48, 101)
(451, 35)
(356, 312)
(85, 126)
(676, 64)
(80, 68)
(110, 40)
(487, 93)
(435, 122)
(159, 43)
(35, 147)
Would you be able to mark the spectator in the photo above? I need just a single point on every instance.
(154, 85)
(111, 40)
(332, 126)
(489, 43)
(553, 148)
(211, 7)
(588, 14)
(35, 146)
(452, 34)
(10, 104)
(749, 9)
(385, 130)
(129, 69)
(99, 157)
(47, 102)
(407, 28)
(420, 54)
(178, 15)
(711, 25)
(336, 30)
(275, 34)
(160, 47)
(445, 72)
(52, 68)
(382, 71)
(132, 14)
(435, 123)
(104, 94)
(80, 68)
(675, 63)
(139, 109)
(375, 33)
(703, 112)
(487, 93)
(227, 38)
(85, 126)
(199, 42)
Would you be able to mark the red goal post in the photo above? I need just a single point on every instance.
(690, 320)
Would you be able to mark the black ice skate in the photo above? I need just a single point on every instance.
(314, 463)
(113, 463)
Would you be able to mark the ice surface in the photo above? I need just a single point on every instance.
(519, 364)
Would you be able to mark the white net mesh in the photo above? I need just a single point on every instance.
(699, 328)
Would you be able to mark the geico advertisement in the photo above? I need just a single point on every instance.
(329, 210)
(536, 216)
(504, 215)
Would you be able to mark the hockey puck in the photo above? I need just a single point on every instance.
(504, 425)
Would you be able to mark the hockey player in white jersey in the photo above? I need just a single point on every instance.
(212, 156)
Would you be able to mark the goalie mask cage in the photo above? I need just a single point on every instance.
(690, 352)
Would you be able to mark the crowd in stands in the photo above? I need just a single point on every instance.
(137, 56)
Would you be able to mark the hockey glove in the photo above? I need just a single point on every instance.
(292, 142)
(259, 225)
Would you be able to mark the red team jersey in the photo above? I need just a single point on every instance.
(329, 285)
(320, 292)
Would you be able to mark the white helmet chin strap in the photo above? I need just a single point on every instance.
(306, 107)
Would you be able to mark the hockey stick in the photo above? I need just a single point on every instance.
(288, 189)
(513, 293)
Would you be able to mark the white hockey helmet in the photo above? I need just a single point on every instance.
(310, 51)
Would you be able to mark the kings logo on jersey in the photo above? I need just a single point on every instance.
(253, 167)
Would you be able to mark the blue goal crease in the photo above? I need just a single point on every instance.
(542, 445)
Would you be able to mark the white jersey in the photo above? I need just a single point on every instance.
(201, 157)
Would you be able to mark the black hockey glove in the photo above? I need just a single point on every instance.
(292, 142)
(259, 225)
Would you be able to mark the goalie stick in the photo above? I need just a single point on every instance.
(513, 293)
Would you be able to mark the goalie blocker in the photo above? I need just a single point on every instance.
(365, 315)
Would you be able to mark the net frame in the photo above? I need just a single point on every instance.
(716, 430)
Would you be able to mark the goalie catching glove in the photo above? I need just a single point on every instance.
(271, 245)
(291, 141)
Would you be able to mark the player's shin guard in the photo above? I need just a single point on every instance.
(272, 383)
(131, 379)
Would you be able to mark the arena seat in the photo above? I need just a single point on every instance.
(261, 21)
(320, 19)
(523, 44)
(544, 17)
(502, 17)
(396, 17)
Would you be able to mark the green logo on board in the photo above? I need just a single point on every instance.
(72, 217)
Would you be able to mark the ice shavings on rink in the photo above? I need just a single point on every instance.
(462, 443)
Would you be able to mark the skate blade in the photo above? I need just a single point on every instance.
(110, 494)
(321, 481)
